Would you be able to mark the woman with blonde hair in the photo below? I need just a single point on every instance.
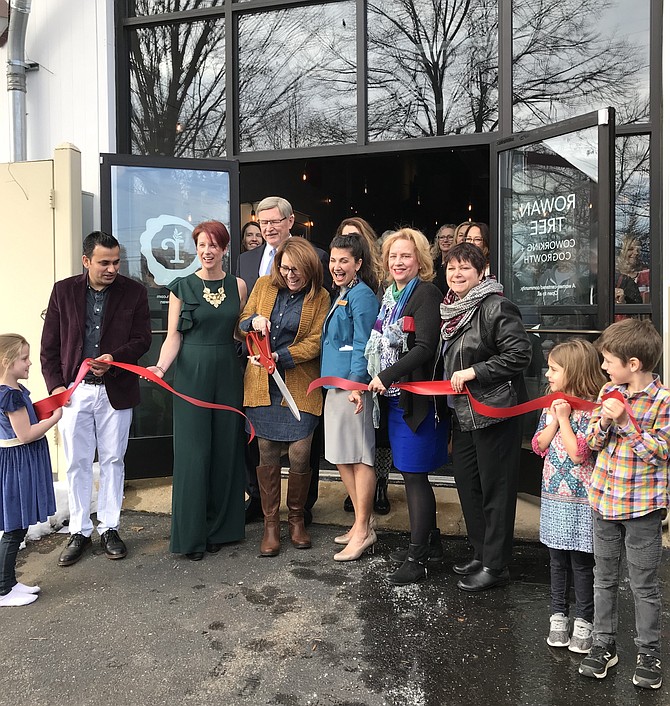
(289, 305)
(401, 349)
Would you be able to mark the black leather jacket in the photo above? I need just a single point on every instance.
(496, 345)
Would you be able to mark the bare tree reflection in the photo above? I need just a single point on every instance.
(433, 66)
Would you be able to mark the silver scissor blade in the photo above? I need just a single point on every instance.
(287, 395)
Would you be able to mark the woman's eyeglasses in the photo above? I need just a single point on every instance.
(289, 270)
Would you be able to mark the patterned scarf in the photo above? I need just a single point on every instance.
(456, 313)
(391, 334)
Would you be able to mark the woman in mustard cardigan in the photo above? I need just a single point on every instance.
(290, 306)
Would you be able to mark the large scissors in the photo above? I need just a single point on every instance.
(265, 358)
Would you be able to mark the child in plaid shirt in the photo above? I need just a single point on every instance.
(629, 496)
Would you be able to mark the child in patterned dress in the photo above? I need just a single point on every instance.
(565, 515)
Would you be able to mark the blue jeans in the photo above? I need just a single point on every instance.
(639, 541)
(9, 548)
(579, 565)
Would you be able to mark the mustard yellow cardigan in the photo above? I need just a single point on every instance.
(304, 350)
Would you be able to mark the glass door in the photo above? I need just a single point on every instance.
(555, 241)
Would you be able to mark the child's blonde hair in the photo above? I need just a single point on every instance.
(582, 375)
(10, 349)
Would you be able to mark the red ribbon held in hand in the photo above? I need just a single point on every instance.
(45, 407)
(443, 387)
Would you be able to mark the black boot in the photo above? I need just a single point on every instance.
(382, 505)
(435, 551)
(413, 569)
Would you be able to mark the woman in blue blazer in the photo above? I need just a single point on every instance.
(349, 430)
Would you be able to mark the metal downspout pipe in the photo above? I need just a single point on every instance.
(16, 78)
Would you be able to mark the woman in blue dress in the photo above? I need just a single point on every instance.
(401, 348)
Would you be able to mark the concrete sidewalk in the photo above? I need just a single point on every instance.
(295, 630)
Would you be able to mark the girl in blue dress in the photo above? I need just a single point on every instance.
(26, 484)
(565, 515)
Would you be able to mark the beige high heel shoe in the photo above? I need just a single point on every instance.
(348, 554)
(344, 538)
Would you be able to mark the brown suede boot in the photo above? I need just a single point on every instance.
(269, 485)
(298, 487)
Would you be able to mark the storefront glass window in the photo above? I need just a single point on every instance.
(297, 77)
(632, 220)
(574, 56)
(177, 89)
(432, 68)
(549, 229)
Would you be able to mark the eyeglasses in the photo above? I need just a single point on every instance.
(275, 222)
(474, 240)
(445, 237)
(292, 270)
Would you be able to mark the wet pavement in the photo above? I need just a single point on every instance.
(295, 630)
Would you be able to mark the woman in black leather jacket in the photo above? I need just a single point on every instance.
(484, 345)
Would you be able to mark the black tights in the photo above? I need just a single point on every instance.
(298, 453)
(9, 548)
(421, 506)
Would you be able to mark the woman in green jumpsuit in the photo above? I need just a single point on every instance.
(208, 475)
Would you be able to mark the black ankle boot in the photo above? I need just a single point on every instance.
(435, 551)
(413, 569)
(382, 505)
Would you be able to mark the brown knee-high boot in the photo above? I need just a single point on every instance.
(269, 484)
(298, 487)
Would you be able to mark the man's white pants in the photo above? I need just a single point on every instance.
(90, 421)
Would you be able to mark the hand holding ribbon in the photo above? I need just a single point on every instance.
(44, 408)
(444, 387)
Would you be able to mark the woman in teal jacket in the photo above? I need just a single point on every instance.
(349, 430)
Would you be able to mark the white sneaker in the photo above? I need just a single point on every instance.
(26, 589)
(17, 598)
(559, 631)
(582, 636)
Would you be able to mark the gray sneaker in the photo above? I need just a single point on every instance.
(648, 672)
(559, 631)
(582, 636)
(598, 661)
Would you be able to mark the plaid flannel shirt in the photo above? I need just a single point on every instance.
(630, 477)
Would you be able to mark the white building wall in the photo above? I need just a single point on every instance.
(70, 98)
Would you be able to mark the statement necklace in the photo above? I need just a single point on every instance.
(213, 298)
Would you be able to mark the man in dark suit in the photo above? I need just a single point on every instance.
(275, 218)
(101, 315)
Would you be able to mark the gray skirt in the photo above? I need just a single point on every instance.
(349, 437)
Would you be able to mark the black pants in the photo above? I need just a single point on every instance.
(9, 548)
(578, 566)
(486, 470)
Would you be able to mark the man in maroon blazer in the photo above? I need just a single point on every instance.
(105, 316)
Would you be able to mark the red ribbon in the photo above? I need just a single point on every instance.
(45, 407)
(443, 387)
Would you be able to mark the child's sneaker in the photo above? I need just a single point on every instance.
(559, 631)
(648, 672)
(582, 636)
(599, 660)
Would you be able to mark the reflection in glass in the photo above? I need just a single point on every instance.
(297, 77)
(433, 67)
(549, 223)
(633, 215)
(574, 56)
(156, 7)
(154, 211)
(177, 89)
